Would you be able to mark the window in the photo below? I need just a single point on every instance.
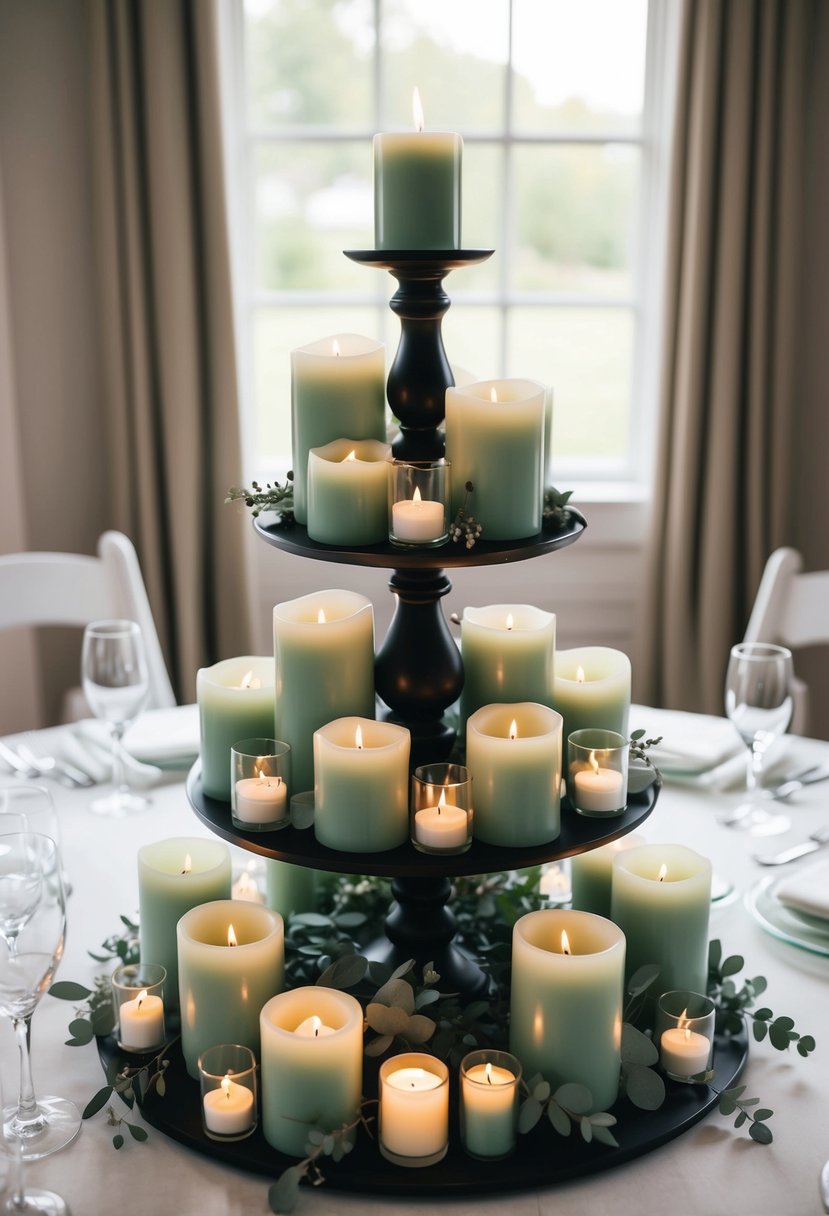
(556, 104)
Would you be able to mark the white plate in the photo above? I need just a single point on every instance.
(805, 932)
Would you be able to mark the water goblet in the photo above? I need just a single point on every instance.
(758, 700)
(29, 808)
(32, 936)
(21, 1199)
(116, 684)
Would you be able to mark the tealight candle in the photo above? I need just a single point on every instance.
(261, 774)
(489, 1103)
(683, 1052)
(235, 700)
(228, 1110)
(361, 785)
(138, 997)
(414, 1109)
(419, 500)
(442, 827)
(227, 1073)
(442, 808)
(597, 769)
(507, 655)
(261, 799)
(599, 789)
(416, 519)
(684, 1032)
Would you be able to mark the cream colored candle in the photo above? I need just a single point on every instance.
(231, 957)
(508, 652)
(141, 1022)
(566, 1007)
(591, 687)
(309, 1079)
(599, 789)
(361, 785)
(228, 1110)
(418, 519)
(414, 1109)
(684, 1052)
(261, 799)
(235, 700)
(348, 490)
(442, 826)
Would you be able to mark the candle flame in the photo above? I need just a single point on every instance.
(226, 1085)
(682, 1022)
(663, 871)
(417, 1073)
(231, 936)
(488, 1073)
(358, 738)
(417, 496)
(510, 620)
(417, 110)
(513, 729)
(261, 774)
(249, 680)
(493, 396)
(142, 996)
(442, 800)
(336, 347)
(321, 617)
(565, 943)
(352, 455)
(188, 864)
(594, 764)
(580, 674)
(316, 1024)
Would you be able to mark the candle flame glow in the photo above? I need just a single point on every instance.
(417, 496)
(579, 674)
(488, 1073)
(231, 936)
(226, 1085)
(352, 455)
(417, 110)
(510, 621)
(565, 943)
(442, 800)
(336, 347)
(188, 864)
(493, 396)
(358, 738)
(513, 729)
(663, 871)
(249, 680)
(261, 774)
(417, 1075)
(316, 1025)
(244, 883)
(142, 996)
(321, 617)
(594, 764)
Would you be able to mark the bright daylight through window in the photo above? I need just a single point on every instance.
(549, 96)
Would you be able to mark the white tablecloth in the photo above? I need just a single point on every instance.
(711, 1170)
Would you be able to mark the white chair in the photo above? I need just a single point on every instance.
(74, 589)
(792, 609)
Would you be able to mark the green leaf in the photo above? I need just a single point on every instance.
(759, 984)
(98, 1102)
(586, 1129)
(529, 1114)
(637, 734)
(761, 1133)
(345, 972)
(642, 979)
(559, 1119)
(763, 1015)
(759, 1030)
(727, 1105)
(574, 1097)
(732, 965)
(82, 1032)
(284, 1193)
(302, 814)
(404, 969)
(137, 1133)
(377, 1046)
(714, 954)
(427, 996)
(637, 1048)
(763, 1113)
(67, 990)
(541, 1090)
(604, 1136)
(396, 993)
(419, 1028)
(118, 1140)
(806, 1044)
(312, 919)
(387, 1019)
(741, 1118)
(778, 1035)
(603, 1119)
(160, 1086)
(103, 1020)
(350, 920)
(645, 1088)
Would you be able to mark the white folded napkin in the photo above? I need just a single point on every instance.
(807, 890)
(166, 737)
(692, 744)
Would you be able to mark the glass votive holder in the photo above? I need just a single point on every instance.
(138, 997)
(489, 1103)
(684, 1034)
(414, 1109)
(441, 817)
(555, 884)
(419, 503)
(260, 777)
(597, 772)
(227, 1075)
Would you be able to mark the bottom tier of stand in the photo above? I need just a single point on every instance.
(542, 1158)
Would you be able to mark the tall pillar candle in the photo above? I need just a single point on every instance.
(348, 492)
(591, 874)
(566, 1005)
(417, 188)
(508, 654)
(231, 960)
(174, 876)
(495, 440)
(311, 1065)
(324, 648)
(290, 889)
(591, 687)
(338, 387)
(514, 754)
(235, 699)
(661, 898)
(361, 785)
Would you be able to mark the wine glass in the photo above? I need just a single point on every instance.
(32, 936)
(758, 700)
(29, 808)
(22, 1199)
(116, 684)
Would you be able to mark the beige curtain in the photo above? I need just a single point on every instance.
(165, 318)
(728, 407)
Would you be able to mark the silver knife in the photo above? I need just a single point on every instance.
(67, 774)
(816, 841)
(781, 792)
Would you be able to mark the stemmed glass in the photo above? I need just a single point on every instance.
(29, 808)
(758, 700)
(22, 1199)
(116, 684)
(32, 936)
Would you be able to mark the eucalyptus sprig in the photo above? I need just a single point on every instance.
(274, 497)
(123, 946)
(639, 746)
(748, 1111)
(734, 1005)
(555, 506)
(464, 526)
(283, 1194)
(569, 1104)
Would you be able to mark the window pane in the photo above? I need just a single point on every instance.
(575, 218)
(455, 52)
(276, 332)
(579, 67)
(586, 354)
(310, 64)
(472, 338)
(312, 202)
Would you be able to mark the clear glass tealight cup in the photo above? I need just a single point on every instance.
(227, 1076)
(260, 778)
(441, 808)
(490, 1082)
(597, 772)
(138, 1001)
(684, 1033)
(419, 503)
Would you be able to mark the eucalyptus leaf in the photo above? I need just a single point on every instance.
(137, 1133)
(98, 1102)
(732, 965)
(529, 1114)
(806, 1044)
(419, 1028)
(642, 979)
(312, 920)
(759, 984)
(68, 990)
(302, 814)
(81, 1031)
(762, 1114)
(428, 996)
(761, 1132)
(377, 1046)
(604, 1136)
(559, 1118)
(396, 993)
(350, 920)
(645, 1088)
(103, 1020)
(403, 969)
(160, 1086)
(586, 1129)
(760, 1030)
(714, 954)
(345, 972)
(118, 1140)
(541, 1090)
(603, 1119)
(283, 1194)
(574, 1097)
(637, 1048)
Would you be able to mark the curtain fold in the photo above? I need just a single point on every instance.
(165, 316)
(724, 478)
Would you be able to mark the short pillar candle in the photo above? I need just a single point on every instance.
(235, 700)
(566, 1007)
(414, 1109)
(361, 785)
(348, 487)
(661, 898)
(312, 1065)
(591, 687)
(508, 652)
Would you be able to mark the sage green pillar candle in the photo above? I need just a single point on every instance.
(591, 688)
(231, 960)
(514, 754)
(507, 655)
(361, 785)
(495, 440)
(591, 875)
(338, 387)
(661, 898)
(290, 889)
(348, 492)
(235, 699)
(311, 1065)
(566, 1004)
(324, 648)
(174, 876)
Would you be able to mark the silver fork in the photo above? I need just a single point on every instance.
(48, 766)
(816, 841)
